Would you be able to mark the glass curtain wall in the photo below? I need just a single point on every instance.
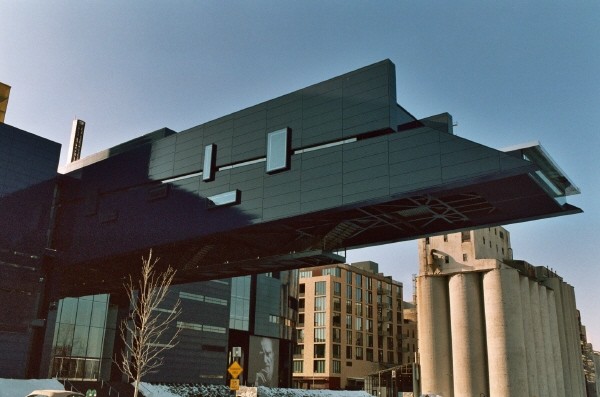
(79, 338)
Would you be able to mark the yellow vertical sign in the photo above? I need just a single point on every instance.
(234, 384)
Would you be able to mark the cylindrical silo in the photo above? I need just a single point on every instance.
(560, 383)
(555, 284)
(575, 340)
(469, 366)
(549, 347)
(536, 320)
(434, 335)
(504, 331)
(532, 372)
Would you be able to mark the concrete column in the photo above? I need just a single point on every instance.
(532, 372)
(504, 332)
(555, 284)
(548, 347)
(433, 326)
(469, 366)
(536, 319)
(554, 337)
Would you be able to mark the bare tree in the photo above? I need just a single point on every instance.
(144, 334)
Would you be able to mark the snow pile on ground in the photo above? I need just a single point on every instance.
(150, 390)
(22, 387)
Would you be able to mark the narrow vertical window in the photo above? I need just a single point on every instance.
(278, 150)
(210, 162)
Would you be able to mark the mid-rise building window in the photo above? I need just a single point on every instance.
(358, 279)
(369, 282)
(320, 288)
(359, 324)
(320, 319)
(337, 304)
(320, 303)
(337, 288)
(348, 321)
(332, 271)
(305, 274)
(369, 340)
(319, 335)
(369, 325)
(359, 338)
(348, 277)
(319, 351)
(348, 291)
(301, 320)
(348, 352)
(336, 367)
(359, 309)
(336, 351)
(337, 320)
(300, 335)
(358, 294)
(464, 257)
(319, 367)
(301, 289)
(298, 366)
(369, 354)
(301, 304)
(337, 335)
(348, 306)
(348, 337)
(359, 353)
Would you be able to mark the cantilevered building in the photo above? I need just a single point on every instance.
(281, 185)
(491, 325)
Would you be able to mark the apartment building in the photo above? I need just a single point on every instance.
(349, 325)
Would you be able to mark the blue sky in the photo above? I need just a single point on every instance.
(509, 72)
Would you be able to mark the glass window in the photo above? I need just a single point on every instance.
(359, 324)
(348, 337)
(320, 303)
(348, 277)
(349, 291)
(337, 304)
(278, 150)
(336, 351)
(348, 352)
(319, 366)
(348, 306)
(358, 294)
(320, 319)
(337, 367)
(337, 320)
(305, 274)
(359, 309)
(319, 351)
(369, 354)
(298, 366)
(359, 353)
(358, 280)
(337, 335)
(348, 322)
(210, 156)
(337, 288)
(332, 271)
(319, 335)
(320, 288)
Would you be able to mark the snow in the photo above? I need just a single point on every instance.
(22, 387)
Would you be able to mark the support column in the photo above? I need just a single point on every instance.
(434, 336)
(532, 371)
(504, 332)
(468, 335)
(548, 347)
(537, 332)
(578, 379)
